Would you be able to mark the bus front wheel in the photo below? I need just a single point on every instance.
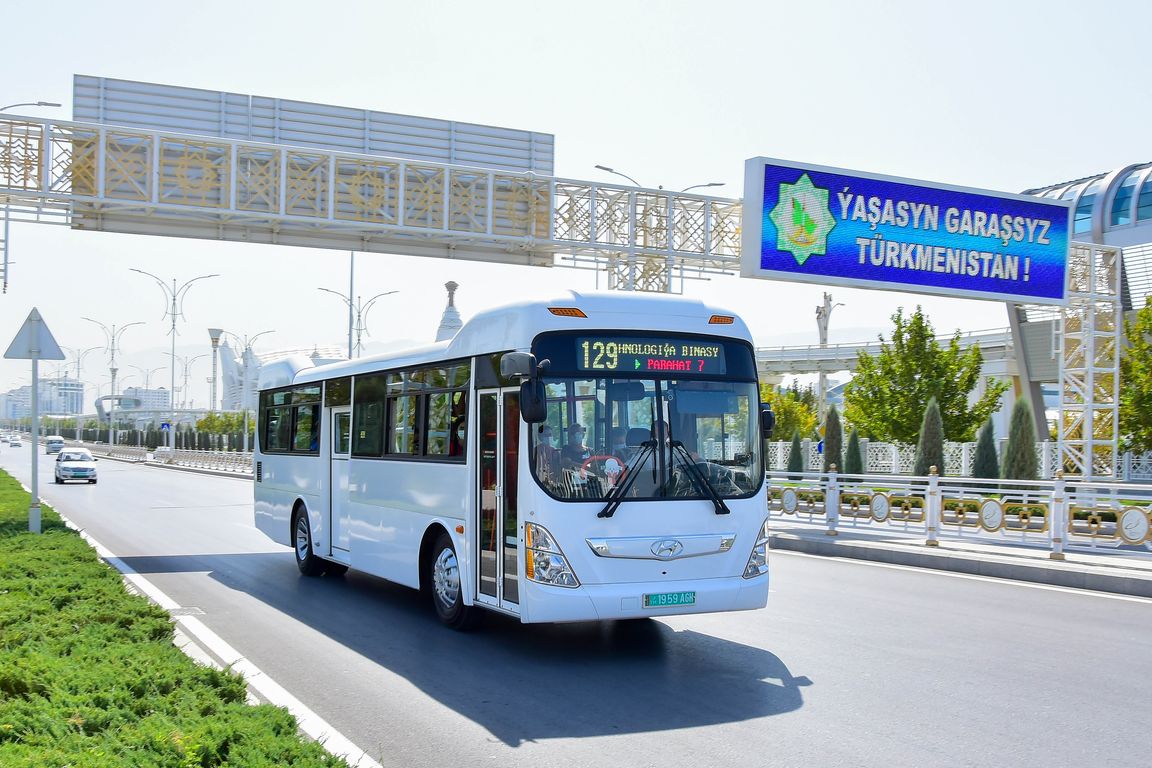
(447, 593)
(306, 559)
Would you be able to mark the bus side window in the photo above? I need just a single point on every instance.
(458, 429)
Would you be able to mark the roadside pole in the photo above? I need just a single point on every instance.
(34, 342)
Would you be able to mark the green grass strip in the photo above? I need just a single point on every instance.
(89, 677)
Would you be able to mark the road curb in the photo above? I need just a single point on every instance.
(1117, 580)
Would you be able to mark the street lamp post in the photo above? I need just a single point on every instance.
(113, 335)
(694, 186)
(186, 363)
(647, 218)
(245, 390)
(79, 354)
(823, 313)
(30, 104)
(176, 295)
(146, 374)
(360, 309)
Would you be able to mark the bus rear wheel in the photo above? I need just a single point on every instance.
(306, 560)
(446, 589)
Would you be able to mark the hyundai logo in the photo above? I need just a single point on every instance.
(666, 549)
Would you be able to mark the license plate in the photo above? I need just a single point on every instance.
(668, 599)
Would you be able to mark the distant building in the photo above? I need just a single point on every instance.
(149, 399)
(60, 396)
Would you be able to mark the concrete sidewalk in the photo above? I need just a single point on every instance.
(1126, 570)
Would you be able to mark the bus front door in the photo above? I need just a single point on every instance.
(339, 449)
(498, 436)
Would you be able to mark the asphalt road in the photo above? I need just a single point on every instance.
(851, 664)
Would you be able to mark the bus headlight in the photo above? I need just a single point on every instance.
(544, 560)
(758, 560)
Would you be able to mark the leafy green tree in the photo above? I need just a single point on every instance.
(833, 440)
(930, 446)
(1020, 453)
(986, 463)
(853, 460)
(887, 397)
(795, 459)
(1136, 382)
(795, 410)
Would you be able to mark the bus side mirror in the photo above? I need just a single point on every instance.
(517, 365)
(533, 409)
(767, 420)
(523, 366)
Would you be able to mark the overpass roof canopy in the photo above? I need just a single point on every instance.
(1117, 199)
(1114, 208)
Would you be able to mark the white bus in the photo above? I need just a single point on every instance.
(433, 468)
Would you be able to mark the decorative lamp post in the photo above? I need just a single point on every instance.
(360, 309)
(176, 296)
(113, 335)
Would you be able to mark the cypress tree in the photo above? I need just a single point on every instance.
(1020, 454)
(930, 447)
(795, 460)
(853, 461)
(833, 441)
(986, 463)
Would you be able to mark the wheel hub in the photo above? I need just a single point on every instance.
(446, 578)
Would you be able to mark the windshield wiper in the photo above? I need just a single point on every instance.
(699, 479)
(616, 495)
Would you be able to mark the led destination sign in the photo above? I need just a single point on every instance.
(623, 354)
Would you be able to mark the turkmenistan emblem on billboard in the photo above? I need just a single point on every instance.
(802, 219)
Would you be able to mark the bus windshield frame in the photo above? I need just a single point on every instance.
(655, 434)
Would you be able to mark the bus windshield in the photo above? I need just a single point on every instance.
(654, 438)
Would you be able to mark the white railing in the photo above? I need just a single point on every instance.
(1136, 467)
(1049, 513)
(900, 458)
(239, 462)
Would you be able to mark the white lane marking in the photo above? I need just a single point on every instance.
(972, 577)
(317, 728)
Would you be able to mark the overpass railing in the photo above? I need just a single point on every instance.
(1053, 513)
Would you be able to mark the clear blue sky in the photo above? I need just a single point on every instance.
(998, 95)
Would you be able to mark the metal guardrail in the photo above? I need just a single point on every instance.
(239, 462)
(221, 461)
(1048, 513)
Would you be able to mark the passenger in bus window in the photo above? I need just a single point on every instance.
(547, 456)
(574, 451)
(620, 448)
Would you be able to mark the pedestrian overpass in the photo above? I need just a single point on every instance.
(160, 160)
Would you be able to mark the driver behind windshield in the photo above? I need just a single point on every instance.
(574, 452)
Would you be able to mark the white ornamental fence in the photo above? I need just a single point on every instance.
(897, 458)
(1049, 513)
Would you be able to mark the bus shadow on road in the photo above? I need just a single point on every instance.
(520, 682)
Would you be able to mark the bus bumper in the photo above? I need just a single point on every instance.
(598, 602)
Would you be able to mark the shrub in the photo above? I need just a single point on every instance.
(833, 440)
(930, 447)
(853, 460)
(986, 463)
(795, 459)
(1020, 454)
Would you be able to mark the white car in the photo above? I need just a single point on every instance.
(15, 441)
(75, 464)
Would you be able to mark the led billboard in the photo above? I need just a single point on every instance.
(823, 225)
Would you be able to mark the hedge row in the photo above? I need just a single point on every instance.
(89, 676)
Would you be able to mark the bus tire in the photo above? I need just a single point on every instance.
(446, 589)
(306, 560)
